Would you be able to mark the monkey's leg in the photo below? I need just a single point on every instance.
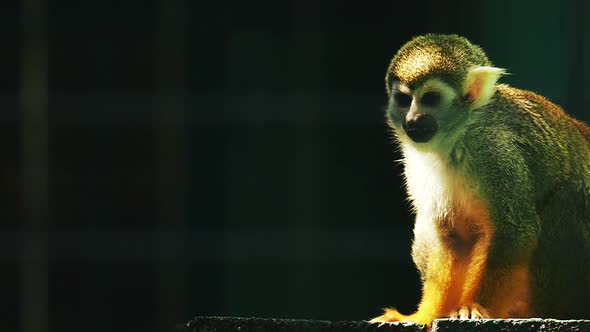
(475, 271)
(506, 291)
(494, 286)
(440, 293)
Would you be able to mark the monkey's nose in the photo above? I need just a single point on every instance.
(420, 127)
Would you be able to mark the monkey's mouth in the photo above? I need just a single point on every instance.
(421, 129)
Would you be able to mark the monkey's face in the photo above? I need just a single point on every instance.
(423, 114)
(434, 83)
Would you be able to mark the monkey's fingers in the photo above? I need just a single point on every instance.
(474, 311)
(389, 315)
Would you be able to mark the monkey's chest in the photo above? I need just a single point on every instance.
(447, 203)
(433, 186)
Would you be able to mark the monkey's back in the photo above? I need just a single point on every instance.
(555, 145)
(556, 148)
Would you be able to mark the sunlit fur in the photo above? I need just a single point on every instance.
(438, 55)
(480, 85)
(501, 192)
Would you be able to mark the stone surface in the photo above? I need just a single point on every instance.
(237, 324)
(512, 325)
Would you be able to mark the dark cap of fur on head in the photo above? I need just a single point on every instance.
(448, 57)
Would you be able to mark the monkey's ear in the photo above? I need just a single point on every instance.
(480, 84)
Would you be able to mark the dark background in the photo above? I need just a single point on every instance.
(172, 158)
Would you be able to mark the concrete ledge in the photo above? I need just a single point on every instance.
(236, 324)
(512, 325)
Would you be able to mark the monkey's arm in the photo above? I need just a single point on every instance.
(504, 182)
(436, 266)
(503, 178)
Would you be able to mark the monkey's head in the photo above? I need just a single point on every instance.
(433, 84)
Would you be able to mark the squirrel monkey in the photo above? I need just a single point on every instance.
(499, 179)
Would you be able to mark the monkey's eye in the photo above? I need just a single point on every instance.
(430, 98)
(402, 99)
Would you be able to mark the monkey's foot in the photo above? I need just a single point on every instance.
(474, 311)
(391, 315)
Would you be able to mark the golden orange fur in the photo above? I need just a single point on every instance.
(455, 272)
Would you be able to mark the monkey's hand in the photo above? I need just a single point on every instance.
(474, 311)
(391, 315)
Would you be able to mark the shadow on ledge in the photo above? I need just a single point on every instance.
(236, 324)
